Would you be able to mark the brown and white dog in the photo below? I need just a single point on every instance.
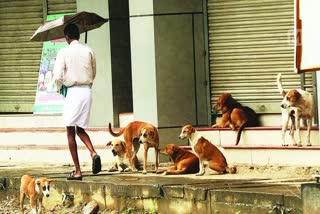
(122, 163)
(184, 161)
(296, 104)
(234, 115)
(35, 189)
(206, 151)
(146, 134)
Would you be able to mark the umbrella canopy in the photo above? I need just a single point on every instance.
(54, 29)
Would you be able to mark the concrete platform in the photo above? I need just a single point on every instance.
(253, 189)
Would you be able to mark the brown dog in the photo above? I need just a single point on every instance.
(35, 189)
(234, 115)
(122, 163)
(206, 151)
(185, 162)
(146, 134)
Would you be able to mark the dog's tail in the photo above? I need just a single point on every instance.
(281, 90)
(240, 131)
(115, 134)
(231, 170)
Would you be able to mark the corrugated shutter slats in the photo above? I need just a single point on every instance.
(59, 6)
(19, 58)
(249, 43)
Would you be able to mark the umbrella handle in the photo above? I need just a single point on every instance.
(85, 37)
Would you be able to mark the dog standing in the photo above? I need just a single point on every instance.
(296, 104)
(122, 161)
(206, 151)
(146, 134)
(234, 115)
(35, 189)
(185, 162)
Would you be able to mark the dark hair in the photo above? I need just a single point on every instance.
(72, 31)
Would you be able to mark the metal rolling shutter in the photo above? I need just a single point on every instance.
(19, 58)
(59, 6)
(249, 43)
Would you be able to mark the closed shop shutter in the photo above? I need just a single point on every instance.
(19, 58)
(250, 42)
(61, 6)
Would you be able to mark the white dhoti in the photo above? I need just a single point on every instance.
(77, 106)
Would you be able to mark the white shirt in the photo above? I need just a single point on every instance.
(75, 65)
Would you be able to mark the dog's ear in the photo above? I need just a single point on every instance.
(38, 182)
(152, 133)
(51, 180)
(123, 143)
(109, 143)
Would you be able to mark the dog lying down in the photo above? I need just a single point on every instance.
(234, 115)
(122, 162)
(185, 162)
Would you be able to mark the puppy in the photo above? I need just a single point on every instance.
(206, 151)
(35, 189)
(296, 104)
(185, 162)
(234, 115)
(122, 163)
(146, 134)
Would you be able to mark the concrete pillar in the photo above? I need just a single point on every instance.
(99, 41)
(168, 63)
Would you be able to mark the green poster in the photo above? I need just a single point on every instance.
(48, 101)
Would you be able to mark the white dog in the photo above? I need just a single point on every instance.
(296, 104)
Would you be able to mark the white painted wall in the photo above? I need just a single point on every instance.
(143, 62)
(99, 41)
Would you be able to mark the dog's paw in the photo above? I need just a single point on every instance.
(127, 169)
(112, 169)
(200, 173)
(144, 172)
(285, 144)
(214, 126)
(309, 144)
(164, 173)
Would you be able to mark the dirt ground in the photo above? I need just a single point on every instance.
(10, 205)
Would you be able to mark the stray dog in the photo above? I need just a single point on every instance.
(234, 115)
(185, 162)
(147, 134)
(296, 104)
(206, 151)
(122, 162)
(35, 189)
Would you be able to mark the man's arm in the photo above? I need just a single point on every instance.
(58, 70)
(94, 65)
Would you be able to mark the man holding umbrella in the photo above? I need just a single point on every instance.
(75, 68)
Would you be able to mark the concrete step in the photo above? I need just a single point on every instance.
(42, 138)
(267, 135)
(262, 146)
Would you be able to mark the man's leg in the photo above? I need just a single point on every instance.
(96, 162)
(71, 134)
(86, 140)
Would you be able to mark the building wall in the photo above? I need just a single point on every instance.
(99, 41)
(167, 46)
